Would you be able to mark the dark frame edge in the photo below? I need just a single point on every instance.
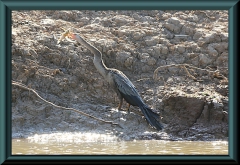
(233, 85)
(5, 94)
(3, 50)
(5, 82)
(118, 5)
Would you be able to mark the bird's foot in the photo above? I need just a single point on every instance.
(120, 109)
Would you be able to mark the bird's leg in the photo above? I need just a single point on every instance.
(128, 108)
(120, 104)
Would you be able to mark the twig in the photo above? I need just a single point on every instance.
(75, 110)
(189, 75)
(214, 74)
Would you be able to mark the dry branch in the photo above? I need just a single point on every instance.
(214, 74)
(57, 106)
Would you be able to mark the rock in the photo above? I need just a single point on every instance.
(144, 56)
(224, 37)
(166, 16)
(128, 62)
(157, 51)
(197, 35)
(187, 30)
(195, 61)
(151, 41)
(212, 52)
(212, 37)
(174, 20)
(179, 59)
(204, 60)
(193, 18)
(172, 27)
(222, 60)
(181, 49)
(121, 57)
(164, 49)
(150, 51)
(187, 107)
(138, 35)
(121, 20)
(220, 47)
(49, 22)
(122, 32)
(151, 61)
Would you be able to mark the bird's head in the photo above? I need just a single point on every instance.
(73, 36)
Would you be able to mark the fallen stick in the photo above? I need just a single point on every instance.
(214, 74)
(57, 106)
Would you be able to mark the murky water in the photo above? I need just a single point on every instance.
(104, 144)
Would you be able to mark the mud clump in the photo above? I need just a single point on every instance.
(192, 100)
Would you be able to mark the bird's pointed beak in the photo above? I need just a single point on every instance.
(64, 34)
(70, 35)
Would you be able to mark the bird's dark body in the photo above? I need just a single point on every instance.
(127, 91)
(132, 100)
(125, 87)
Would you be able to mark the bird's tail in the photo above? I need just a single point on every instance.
(151, 117)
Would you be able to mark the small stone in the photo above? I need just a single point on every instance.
(197, 35)
(129, 61)
(151, 61)
(204, 60)
(181, 49)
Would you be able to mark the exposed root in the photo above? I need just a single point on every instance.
(212, 74)
(189, 75)
(72, 109)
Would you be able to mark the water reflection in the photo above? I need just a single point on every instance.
(106, 144)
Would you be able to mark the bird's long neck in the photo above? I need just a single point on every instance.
(98, 62)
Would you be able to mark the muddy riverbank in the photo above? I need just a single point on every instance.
(192, 99)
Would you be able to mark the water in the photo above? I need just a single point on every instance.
(83, 144)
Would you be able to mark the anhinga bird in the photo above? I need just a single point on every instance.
(120, 84)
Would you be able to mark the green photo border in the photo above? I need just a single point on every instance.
(6, 6)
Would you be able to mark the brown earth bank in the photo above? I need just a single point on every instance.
(188, 50)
